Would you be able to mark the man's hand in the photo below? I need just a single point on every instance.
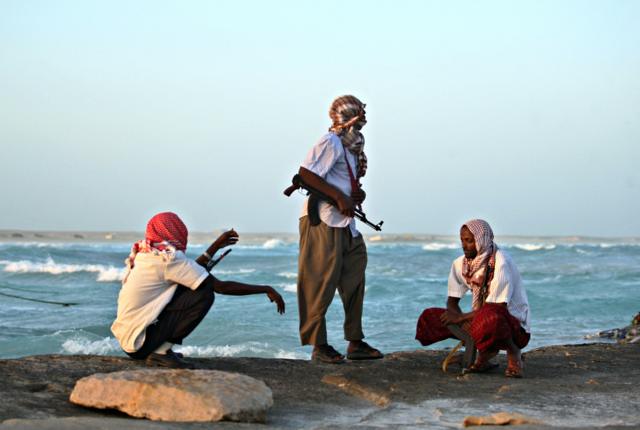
(358, 196)
(227, 238)
(275, 297)
(345, 205)
(450, 317)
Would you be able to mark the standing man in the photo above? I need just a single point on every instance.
(333, 254)
(499, 317)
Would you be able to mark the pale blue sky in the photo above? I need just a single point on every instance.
(524, 113)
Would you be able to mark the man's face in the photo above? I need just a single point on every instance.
(362, 121)
(468, 242)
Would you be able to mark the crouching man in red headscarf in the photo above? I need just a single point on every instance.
(499, 319)
(165, 295)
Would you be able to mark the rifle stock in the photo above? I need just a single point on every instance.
(297, 182)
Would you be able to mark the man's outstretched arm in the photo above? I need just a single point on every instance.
(233, 288)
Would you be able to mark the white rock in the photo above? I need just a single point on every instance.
(176, 395)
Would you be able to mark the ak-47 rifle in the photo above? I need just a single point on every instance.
(212, 263)
(297, 182)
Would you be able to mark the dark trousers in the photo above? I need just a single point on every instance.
(179, 318)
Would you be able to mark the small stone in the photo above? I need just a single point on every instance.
(500, 419)
(176, 395)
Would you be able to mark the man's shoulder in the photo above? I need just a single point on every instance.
(502, 256)
(457, 263)
(505, 263)
(331, 139)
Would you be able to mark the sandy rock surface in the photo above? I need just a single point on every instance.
(176, 395)
(590, 386)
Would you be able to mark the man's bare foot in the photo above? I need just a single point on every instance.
(483, 362)
(359, 350)
(515, 364)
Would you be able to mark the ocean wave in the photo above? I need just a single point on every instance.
(293, 288)
(86, 346)
(534, 246)
(291, 355)
(105, 273)
(233, 272)
(55, 245)
(288, 275)
(439, 246)
(273, 243)
(290, 288)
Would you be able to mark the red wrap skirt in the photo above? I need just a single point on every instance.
(491, 328)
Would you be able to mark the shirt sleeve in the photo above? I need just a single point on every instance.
(184, 271)
(456, 287)
(500, 289)
(322, 157)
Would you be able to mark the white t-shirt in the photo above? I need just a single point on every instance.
(505, 287)
(147, 291)
(326, 159)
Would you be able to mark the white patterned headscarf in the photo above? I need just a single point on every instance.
(346, 113)
(474, 269)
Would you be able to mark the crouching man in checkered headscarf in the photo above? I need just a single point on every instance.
(499, 319)
(333, 254)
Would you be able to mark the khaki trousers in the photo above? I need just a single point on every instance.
(330, 258)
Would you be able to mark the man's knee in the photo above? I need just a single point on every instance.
(488, 321)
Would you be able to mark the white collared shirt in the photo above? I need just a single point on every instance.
(505, 287)
(327, 160)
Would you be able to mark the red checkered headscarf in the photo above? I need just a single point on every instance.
(345, 113)
(474, 269)
(165, 232)
(166, 227)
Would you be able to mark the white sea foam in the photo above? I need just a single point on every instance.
(290, 288)
(223, 350)
(111, 274)
(292, 355)
(273, 243)
(243, 349)
(233, 272)
(86, 346)
(288, 275)
(610, 245)
(105, 273)
(438, 246)
(583, 252)
(534, 246)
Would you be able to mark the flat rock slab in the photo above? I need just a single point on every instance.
(176, 395)
(500, 419)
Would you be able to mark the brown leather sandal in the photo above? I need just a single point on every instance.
(326, 354)
(364, 352)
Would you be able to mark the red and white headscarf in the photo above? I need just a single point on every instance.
(474, 269)
(345, 113)
(165, 233)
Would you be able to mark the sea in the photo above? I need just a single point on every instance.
(59, 296)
